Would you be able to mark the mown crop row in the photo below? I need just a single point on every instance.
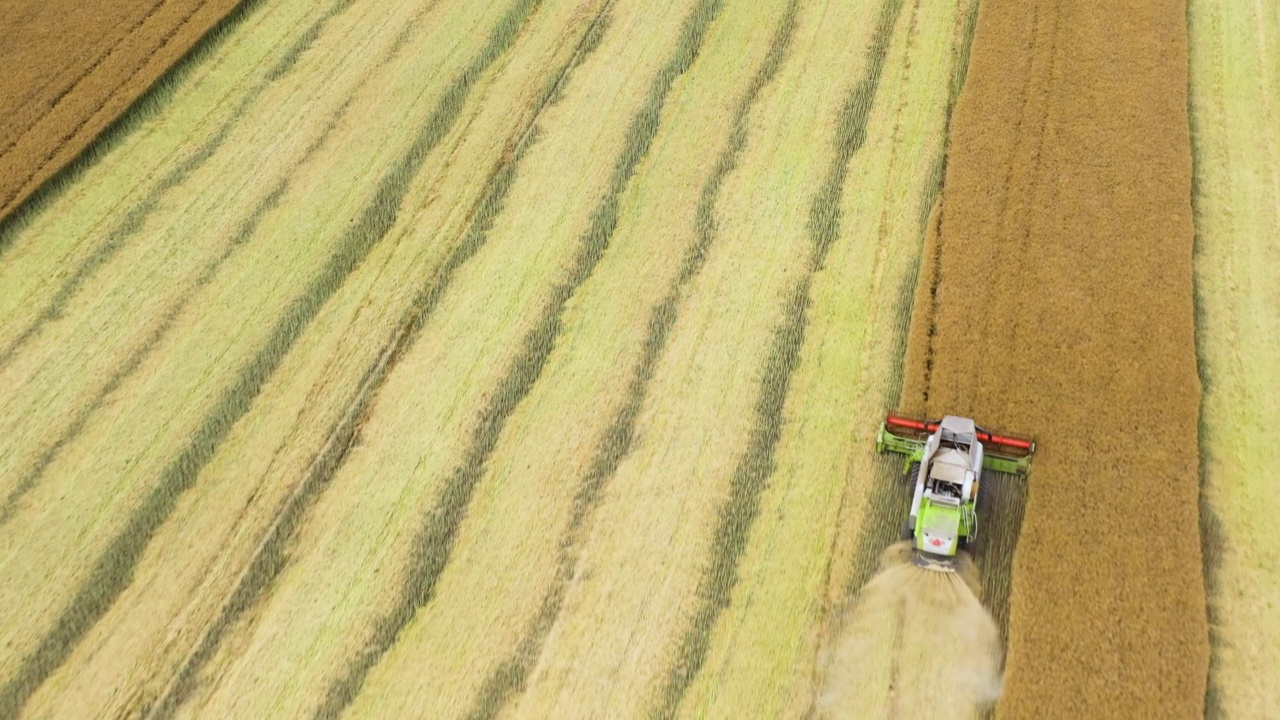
(194, 362)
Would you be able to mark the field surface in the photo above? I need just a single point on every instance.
(71, 68)
(524, 359)
(1235, 119)
(1060, 298)
(514, 344)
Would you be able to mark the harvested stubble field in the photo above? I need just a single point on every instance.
(71, 68)
(453, 358)
(1235, 123)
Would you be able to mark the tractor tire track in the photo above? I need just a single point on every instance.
(509, 679)
(135, 219)
(434, 543)
(271, 558)
(114, 570)
(750, 477)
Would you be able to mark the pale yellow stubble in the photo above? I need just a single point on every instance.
(635, 592)
(48, 245)
(51, 545)
(1235, 93)
(509, 548)
(122, 306)
(763, 651)
(351, 554)
(188, 570)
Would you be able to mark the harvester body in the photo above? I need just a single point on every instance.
(949, 456)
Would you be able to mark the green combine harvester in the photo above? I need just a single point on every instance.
(950, 457)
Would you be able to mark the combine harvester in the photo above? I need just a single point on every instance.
(950, 457)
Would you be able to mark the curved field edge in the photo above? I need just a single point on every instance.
(1234, 106)
(47, 180)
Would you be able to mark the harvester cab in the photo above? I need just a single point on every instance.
(948, 456)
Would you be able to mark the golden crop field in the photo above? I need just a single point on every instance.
(458, 358)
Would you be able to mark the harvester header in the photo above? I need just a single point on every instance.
(1025, 445)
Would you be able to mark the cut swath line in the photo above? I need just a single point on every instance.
(434, 543)
(270, 557)
(135, 219)
(114, 569)
(738, 513)
(510, 676)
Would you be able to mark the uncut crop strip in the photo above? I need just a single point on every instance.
(60, 647)
(1059, 303)
(130, 58)
(23, 90)
(1235, 116)
(767, 640)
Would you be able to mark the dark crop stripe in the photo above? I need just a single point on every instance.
(246, 229)
(272, 558)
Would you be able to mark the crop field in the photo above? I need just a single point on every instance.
(1042, 231)
(524, 358)
(106, 56)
